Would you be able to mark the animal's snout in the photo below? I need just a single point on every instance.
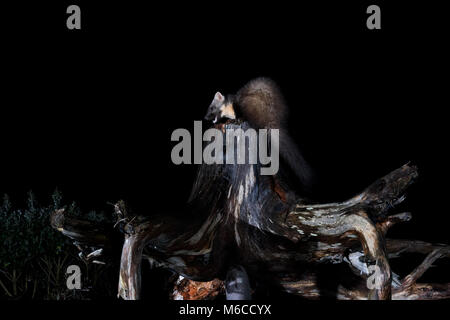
(208, 116)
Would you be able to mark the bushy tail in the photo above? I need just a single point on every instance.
(291, 154)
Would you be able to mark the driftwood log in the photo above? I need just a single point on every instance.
(236, 216)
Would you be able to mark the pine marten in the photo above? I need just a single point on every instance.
(261, 103)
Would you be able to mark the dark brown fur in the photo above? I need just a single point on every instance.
(262, 104)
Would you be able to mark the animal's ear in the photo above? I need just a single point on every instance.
(219, 97)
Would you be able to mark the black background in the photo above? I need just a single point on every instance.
(91, 111)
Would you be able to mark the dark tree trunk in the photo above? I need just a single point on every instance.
(238, 217)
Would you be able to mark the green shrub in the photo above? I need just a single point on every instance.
(34, 256)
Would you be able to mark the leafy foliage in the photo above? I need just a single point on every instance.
(34, 256)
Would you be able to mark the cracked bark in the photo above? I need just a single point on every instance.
(236, 216)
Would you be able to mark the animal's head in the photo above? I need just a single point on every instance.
(220, 108)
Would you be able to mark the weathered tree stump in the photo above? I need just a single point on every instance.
(237, 216)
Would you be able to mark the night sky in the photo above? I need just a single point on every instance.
(91, 112)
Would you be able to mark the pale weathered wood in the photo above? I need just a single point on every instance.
(236, 216)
